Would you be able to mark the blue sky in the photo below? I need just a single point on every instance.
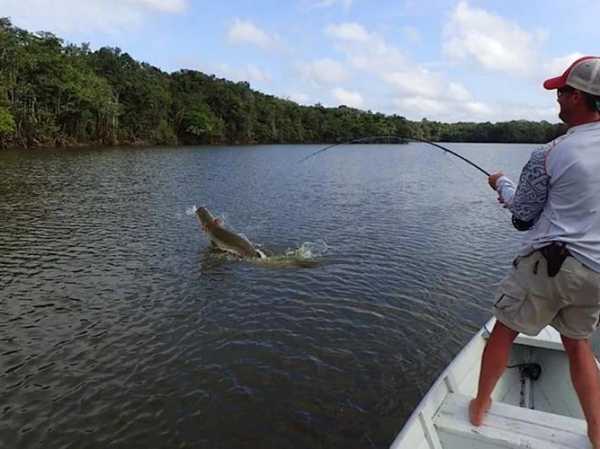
(449, 60)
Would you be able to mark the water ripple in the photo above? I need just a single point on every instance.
(119, 329)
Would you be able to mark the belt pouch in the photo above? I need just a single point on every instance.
(555, 254)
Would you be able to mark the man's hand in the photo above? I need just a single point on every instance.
(501, 201)
(494, 178)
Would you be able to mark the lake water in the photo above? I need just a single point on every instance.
(120, 329)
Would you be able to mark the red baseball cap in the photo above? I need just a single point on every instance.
(583, 74)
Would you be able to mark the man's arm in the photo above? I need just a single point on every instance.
(527, 200)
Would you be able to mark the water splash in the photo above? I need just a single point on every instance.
(307, 255)
(309, 250)
(191, 211)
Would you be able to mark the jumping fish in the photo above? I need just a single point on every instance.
(225, 239)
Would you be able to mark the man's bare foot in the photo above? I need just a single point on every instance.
(477, 410)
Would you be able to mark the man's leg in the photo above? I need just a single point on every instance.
(493, 364)
(584, 374)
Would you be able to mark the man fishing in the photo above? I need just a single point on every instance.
(556, 277)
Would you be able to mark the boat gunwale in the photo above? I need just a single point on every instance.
(441, 379)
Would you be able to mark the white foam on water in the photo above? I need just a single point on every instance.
(306, 255)
(190, 211)
(309, 250)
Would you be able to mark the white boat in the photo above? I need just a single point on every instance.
(526, 412)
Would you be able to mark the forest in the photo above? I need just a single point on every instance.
(57, 94)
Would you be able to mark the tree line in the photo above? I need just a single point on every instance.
(58, 94)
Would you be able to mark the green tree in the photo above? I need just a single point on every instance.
(52, 93)
(200, 121)
(7, 122)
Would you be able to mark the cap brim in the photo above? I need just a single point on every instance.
(555, 83)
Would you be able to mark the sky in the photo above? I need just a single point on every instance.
(447, 60)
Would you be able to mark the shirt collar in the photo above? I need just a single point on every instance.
(584, 127)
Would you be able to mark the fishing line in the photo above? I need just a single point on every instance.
(401, 139)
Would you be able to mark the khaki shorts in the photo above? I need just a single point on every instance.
(528, 300)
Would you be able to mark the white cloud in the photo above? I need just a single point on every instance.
(352, 32)
(163, 5)
(245, 32)
(300, 98)
(416, 107)
(529, 112)
(512, 111)
(491, 41)
(557, 66)
(420, 106)
(418, 82)
(365, 50)
(249, 73)
(438, 100)
(478, 109)
(348, 98)
(88, 15)
(326, 3)
(458, 92)
(256, 74)
(412, 35)
(417, 90)
(323, 71)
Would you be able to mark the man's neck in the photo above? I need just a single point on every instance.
(582, 119)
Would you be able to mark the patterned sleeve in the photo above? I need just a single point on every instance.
(532, 191)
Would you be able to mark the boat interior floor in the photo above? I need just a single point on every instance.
(534, 405)
(507, 426)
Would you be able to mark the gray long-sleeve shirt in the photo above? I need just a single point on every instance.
(559, 189)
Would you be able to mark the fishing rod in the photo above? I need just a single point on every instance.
(401, 138)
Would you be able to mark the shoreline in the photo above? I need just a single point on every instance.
(143, 144)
